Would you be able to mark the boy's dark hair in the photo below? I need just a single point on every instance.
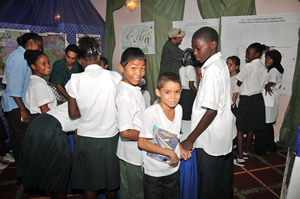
(236, 60)
(104, 60)
(90, 47)
(165, 77)
(132, 53)
(258, 47)
(208, 34)
(72, 48)
(22, 40)
(32, 55)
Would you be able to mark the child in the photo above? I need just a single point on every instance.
(39, 96)
(251, 111)
(103, 62)
(92, 99)
(45, 135)
(13, 99)
(233, 64)
(264, 139)
(212, 126)
(161, 180)
(131, 106)
(188, 77)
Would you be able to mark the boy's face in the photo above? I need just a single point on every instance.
(169, 94)
(199, 75)
(203, 49)
(133, 71)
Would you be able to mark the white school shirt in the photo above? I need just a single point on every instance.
(187, 74)
(95, 94)
(214, 93)
(252, 75)
(38, 94)
(234, 88)
(61, 113)
(272, 112)
(131, 106)
(154, 115)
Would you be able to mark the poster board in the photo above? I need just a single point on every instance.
(278, 31)
(139, 35)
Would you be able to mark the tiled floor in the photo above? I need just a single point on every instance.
(260, 178)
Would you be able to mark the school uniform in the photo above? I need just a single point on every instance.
(38, 94)
(264, 139)
(234, 88)
(131, 106)
(95, 94)
(215, 164)
(160, 179)
(251, 111)
(39, 156)
(187, 74)
(17, 76)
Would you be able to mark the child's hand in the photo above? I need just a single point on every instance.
(185, 154)
(174, 159)
(268, 90)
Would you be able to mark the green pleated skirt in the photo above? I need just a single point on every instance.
(95, 164)
(45, 158)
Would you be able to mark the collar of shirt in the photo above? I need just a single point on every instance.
(255, 60)
(131, 86)
(211, 60)
(93, 67)
(21, 48)
(37, 78)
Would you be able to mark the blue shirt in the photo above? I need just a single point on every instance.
(18, 77)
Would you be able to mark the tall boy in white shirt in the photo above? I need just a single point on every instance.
(213, 124)
(131, 106)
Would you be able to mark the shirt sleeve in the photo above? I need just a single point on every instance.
(242, 75)
(17, 74)
(235, 88)
(41, 94)
(56, 76)
(272, 76)
(192, 74)
(214, 86)
(71, 87)
(148, 124)
(125, 113)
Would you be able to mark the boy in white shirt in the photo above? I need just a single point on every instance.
(161, 180)
(131, 106)
(213, 124)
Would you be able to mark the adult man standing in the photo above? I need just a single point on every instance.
(64, 68)
(171, 57)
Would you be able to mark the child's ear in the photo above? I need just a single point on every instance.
(105, 66)
(98, 58)
(79, 61)
(33, 66)
(213, 45)
(157, 92)
(257, 54)
(121, 68)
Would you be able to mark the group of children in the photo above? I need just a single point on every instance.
(114, 129)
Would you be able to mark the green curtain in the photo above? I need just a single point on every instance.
(221, 8)
(162, 13)
(110, 43)
(291, 121)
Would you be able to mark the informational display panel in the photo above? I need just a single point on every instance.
(139, 35)
(279, 32)
(190, 27)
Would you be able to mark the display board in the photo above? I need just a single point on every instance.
(139, 35)
(8, 43)
(279, 31)
(190, 27)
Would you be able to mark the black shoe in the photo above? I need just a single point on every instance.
(256, 152)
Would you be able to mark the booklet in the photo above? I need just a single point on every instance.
(166, 139)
